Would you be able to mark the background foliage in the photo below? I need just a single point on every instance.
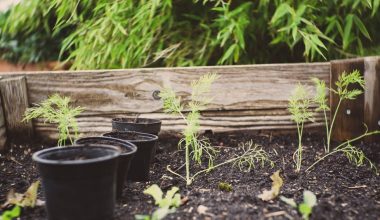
(129, 33)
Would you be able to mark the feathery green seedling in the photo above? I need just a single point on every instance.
(306, 207)
(342, 91)
(299, 107)
(193, 145)
(353, 154)
(56, 109)
(166, 205)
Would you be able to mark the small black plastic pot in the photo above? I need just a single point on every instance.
(144, 125)
(128, 151)
(146, 150)
(79, 181)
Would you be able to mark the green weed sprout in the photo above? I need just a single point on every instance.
(342, 91)
(223, 186)
(166, 205)
(299, 107)
(56, 109)
(306, 207)
(193, 145)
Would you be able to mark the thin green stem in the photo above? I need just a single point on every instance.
(175, 173)
(322, 158)
(214, 167)
(332, 125)
(327, 130)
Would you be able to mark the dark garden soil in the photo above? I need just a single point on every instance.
(344, 191)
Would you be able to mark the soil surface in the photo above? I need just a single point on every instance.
(343, 190)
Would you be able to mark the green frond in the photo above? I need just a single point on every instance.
(299, 105)
(345, 80)
(251, 155)
(56, 110)
(172, 103)
(320, 96)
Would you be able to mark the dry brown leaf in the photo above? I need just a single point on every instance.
(27, 199)
(277, 182)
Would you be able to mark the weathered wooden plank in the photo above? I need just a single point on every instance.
(3, 134)
(15, 101)
(245, 97)
(350, 116)
(372, 95)
(96, 125)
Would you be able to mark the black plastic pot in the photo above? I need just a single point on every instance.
(146, 149)
(144, 125)
(128, 151)
(79, 181)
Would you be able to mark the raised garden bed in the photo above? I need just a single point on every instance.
(343, 191)
(250, 104)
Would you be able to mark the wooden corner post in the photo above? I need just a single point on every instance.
(354, 115)
(372, 96)
(15, 101)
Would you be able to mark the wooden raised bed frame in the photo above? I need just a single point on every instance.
(249, 97)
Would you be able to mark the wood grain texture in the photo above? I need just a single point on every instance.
(372, 95)
(350, 116)
(252, 97)
(14, 95)
(3, 134)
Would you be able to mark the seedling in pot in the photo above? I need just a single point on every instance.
(195, 146)
(56, 109)
(306, 207)
(299, 107)
(166, 205)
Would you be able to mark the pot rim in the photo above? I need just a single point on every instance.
(150, 137)
(131, 146)
(115, 152)
(149, 121)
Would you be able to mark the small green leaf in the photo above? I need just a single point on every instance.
(11, 214)
(289, 201)
(154, 191)
(305, 210)
(361, 27)
(347, 31)
(309, 198)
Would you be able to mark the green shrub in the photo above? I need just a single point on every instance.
(127, 33)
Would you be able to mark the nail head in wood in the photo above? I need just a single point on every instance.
(156, 95)
(348, 111)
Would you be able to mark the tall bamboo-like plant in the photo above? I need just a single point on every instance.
(299, 107)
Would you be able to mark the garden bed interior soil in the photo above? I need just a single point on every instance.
(343, 190)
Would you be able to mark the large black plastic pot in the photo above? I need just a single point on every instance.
(144, 125)
(128, 151)
(146, 149)
(79, 181)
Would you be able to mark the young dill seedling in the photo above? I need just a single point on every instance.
(191, 142)
(342, 91)
(299, 107)
(353, 154)
(56, 109)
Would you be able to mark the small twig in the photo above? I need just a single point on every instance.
(356, 187)
(14, 160)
